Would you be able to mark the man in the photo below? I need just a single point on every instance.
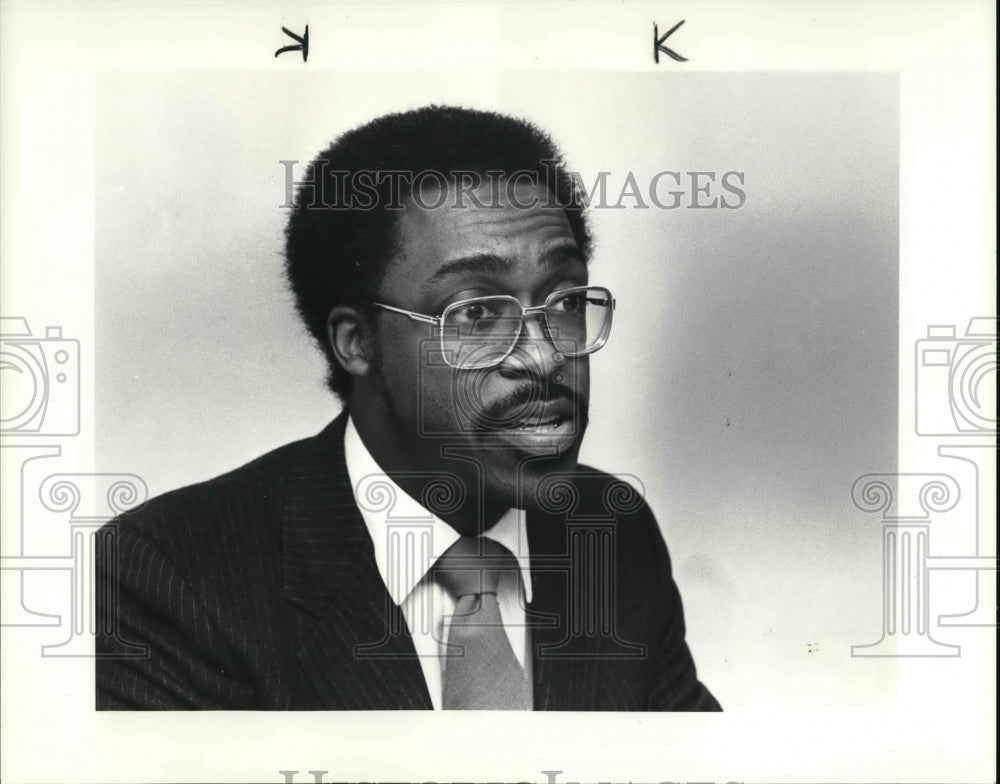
(437, 545)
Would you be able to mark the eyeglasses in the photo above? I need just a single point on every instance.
(482, 332)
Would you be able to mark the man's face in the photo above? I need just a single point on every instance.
(516, 421)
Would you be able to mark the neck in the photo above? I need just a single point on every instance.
(423, 473)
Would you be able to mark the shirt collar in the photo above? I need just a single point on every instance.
(386, 507)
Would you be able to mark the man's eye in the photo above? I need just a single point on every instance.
(571, 303)
(466, 314)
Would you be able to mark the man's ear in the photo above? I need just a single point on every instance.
(349, 335)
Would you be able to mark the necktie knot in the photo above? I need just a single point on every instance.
(481, 671)
(472, 566)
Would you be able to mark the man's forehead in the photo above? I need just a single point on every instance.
(484, 218)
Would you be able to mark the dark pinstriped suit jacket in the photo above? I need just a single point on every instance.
(259, 590)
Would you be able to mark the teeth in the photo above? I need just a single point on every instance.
(545, 427)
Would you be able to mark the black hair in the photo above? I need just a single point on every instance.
(342, 229)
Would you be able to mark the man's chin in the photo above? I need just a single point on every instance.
(527, 483)
(515, 468)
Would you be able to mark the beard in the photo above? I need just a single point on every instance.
(453, 432)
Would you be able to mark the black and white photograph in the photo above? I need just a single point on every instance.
(518, 396)
(709, 347)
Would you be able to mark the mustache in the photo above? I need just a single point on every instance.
(524, 401)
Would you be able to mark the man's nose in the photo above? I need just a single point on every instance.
(533, 354)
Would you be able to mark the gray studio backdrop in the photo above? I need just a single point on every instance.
(750, 377)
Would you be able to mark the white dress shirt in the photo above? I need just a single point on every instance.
(408, 540)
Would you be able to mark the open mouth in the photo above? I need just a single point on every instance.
(536, 425)
(541, 426)
(554, 418)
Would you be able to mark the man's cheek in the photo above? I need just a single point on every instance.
(405, 372)
(439, 411)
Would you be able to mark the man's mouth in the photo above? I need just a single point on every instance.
(556, 419)
(540, 426)
(525, 420)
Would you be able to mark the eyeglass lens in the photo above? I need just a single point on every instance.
(481, 332)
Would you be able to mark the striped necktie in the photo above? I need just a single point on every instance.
(481, 670)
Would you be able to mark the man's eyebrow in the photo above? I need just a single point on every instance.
(479, 262)
(560, 254)
(490, 263)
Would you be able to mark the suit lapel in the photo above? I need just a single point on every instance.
(564, 666)
(358, 653)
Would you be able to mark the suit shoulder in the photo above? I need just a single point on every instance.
(253, 489)
(621, 498)
(619, 495)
